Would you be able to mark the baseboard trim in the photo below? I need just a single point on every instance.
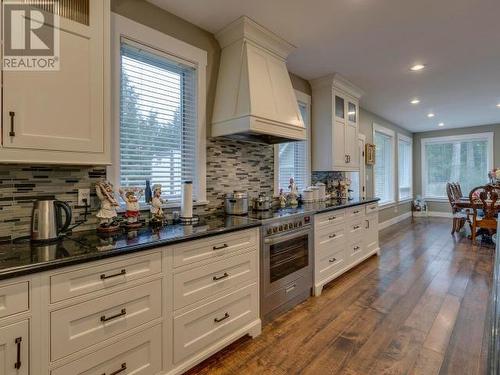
(393, 221)
(440, 214)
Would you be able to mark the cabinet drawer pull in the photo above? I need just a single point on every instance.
(122, 368)
(367, 224)
(355, 227)
(333, 260)
(356, 248)
(373, 207)
(121, 273)
(332, 218)
(215, 278)
(221, 247)
(17, 365)
(290, 288)
(218, 320)
(356, 212)
(12, 133)
(332, 235)
(121, 313)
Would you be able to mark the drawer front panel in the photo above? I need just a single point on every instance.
(14, 298)
(202, 282)
(355, 230)
(200, 327)
(214, 247)
(355, 250)
(85, 324)
(355, 212)
(139, 354)
(329, 218)
(329, 237)
(371, 208)
(102, 276)
(329, 263)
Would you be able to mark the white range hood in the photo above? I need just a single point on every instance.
(254, 98)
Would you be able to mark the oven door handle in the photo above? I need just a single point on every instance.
(285, 237)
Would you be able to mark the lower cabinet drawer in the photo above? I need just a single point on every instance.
(139, 354)
(355, 250)
(371, 208)
(202, 282)
(88, 323)
(14, 298)
(330, 262)
(355, 230)
(329, 218)
(197, 329)
(329, 237)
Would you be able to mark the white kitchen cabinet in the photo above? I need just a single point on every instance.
(343, 239)
(14, 349)
(335, 124)
(62, 116)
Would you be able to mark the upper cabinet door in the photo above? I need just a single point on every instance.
(62, 110)
(338, 145)
(352, 112)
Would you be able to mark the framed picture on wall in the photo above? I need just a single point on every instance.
(370, 154)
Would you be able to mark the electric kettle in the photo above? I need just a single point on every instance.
(47, 219)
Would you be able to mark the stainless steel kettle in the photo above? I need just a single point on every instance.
(47, 219)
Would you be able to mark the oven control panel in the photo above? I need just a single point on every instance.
(287, 225)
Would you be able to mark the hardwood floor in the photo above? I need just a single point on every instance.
(419, 308)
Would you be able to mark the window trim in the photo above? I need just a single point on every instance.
(391, 133)
(304, 99)
(489, 136)
(405, 138)
(176, 49)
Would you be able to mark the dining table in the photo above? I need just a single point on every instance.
(465, 203)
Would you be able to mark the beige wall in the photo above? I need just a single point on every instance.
(417, 157)
(366, 120)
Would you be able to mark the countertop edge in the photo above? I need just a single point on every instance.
(347, 205)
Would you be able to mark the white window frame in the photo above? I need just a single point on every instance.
(391, 133)
(303, 99)
(177, 50)
(489, 136)
(405, 138)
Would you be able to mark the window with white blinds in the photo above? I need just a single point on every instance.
(405, 157)
(384, 168)
(158, 119)
(293, 158)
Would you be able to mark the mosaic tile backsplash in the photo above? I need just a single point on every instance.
(231, 165)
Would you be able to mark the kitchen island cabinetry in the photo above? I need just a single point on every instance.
(335, 124)
(342, 239)
(62, 116)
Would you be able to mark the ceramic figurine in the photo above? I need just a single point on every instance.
(107, 213)
(282, 199)
(294, 193)
(157, 202)
(131, 198)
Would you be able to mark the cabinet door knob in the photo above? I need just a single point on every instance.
(12, 133)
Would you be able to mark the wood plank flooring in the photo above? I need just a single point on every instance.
(419, 308)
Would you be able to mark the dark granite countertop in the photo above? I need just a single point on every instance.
(494, 347)
(23, 257)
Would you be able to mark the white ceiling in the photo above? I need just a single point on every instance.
(374, 42)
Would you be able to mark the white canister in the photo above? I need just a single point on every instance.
(187, 200)
(315, 191)
(321, 191)
(307, 195)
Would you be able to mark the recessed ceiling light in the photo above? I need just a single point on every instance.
(415, 101)
(417, 67)
(430, 115)
(441, 124)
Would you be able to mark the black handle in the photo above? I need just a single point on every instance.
(62, 206)
(220, 247)
(121, 273)
(332, 235)
(367, 224)
(218, 320)
(355, 227)
(17, 365)
(215, 278)
(346, 159)
(332, 218)
(121, 313)
(333, 260)
(355, 248)
(12, 114)
(356, 212)
(122, 368)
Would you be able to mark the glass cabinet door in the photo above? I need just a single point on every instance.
(352, 112)
(339, 107)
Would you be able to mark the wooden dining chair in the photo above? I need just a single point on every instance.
(459, 216)
(484, 198)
